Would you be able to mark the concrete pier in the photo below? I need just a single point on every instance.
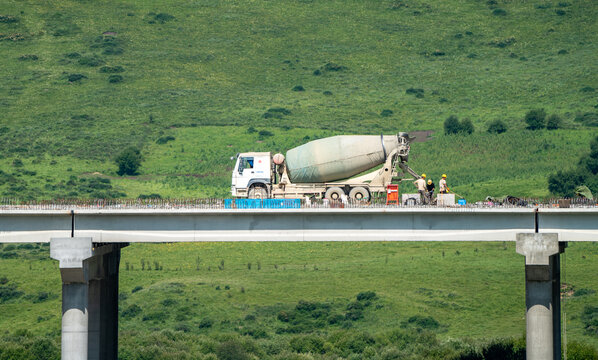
(542, 294)
(89, 297)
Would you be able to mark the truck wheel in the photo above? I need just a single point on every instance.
(334, 194)
(257, 192)
(359, 194)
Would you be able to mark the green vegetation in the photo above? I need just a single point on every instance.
(188, 85)
(85, 81)
(310, 300)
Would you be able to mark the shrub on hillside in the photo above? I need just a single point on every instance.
(231, 350)
(504, 349)
(452, 125)
(587, 119)
(307, 344)
(554, 122)
(366, 295)
(386, 113)
(467, 126)
(563, 183)
(91, 60)
(298, 88)
(589, 319)
(113, 79)
(497, 127)
(76, 77)
(131, 311)
(499, 12)
(129, 161)
(265, 133)
(419, 93)
(112, 69)
(580, 351)
(9, 292)
(276, 113)
(28, 57)
(421, 322)
(535, 119)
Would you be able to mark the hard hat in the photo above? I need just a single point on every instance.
(443, 175)
(429, 182)
(424, 176)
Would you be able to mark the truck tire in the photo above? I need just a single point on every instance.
(257, 192)
(334, 194)
(359, 194)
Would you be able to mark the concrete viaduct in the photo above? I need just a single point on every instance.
(87, 243)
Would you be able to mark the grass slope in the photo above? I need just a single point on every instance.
(186, 68)
(473, 290)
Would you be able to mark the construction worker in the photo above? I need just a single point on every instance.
(442, 183)
(430, 190)
(420, 184)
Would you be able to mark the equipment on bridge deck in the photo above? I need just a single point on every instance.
(325, 168)
(392, 194)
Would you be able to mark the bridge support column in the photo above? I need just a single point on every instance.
(542, 294)
(89, 297)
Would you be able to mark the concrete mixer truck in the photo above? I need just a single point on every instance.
(325, 168)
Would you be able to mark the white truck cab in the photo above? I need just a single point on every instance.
(252, 175)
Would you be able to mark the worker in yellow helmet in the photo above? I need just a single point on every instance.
(420, 184)
(442, 183)
(430, 191)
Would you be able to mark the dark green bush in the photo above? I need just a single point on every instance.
(589, 319)
(265, 133)
(422, 322)
(276, 113)
(113, 51)
(503, 43)
(129, 161)
(73, 55)
(467, 126)
(386, 113)
(156, 316)
(582, 292)
(113, 79)
(580, 351)
(419, 93)
(17, 163)
(112, 69)
(334, 67)
(231, 350)
(497, 127)
(76, 77)
(366, 295)
(149, 196)
(535, 119)
(560, 12)
(587, 89)
(28, 57)
(182, 327)
(168, 302)
(499, 12)
(503, 349)
(91, 60)
(554, 122)
(327, 93)
(206, 323)
(298, 88)
(9, 247)
(131, 311)
(165, 139)
(307, 344)
(9, 292)
(563, 183)
(452, 125)
(587, 119)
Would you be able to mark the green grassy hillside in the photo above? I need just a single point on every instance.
(84, 80)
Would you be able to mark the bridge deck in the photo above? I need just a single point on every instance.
(317, 224)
